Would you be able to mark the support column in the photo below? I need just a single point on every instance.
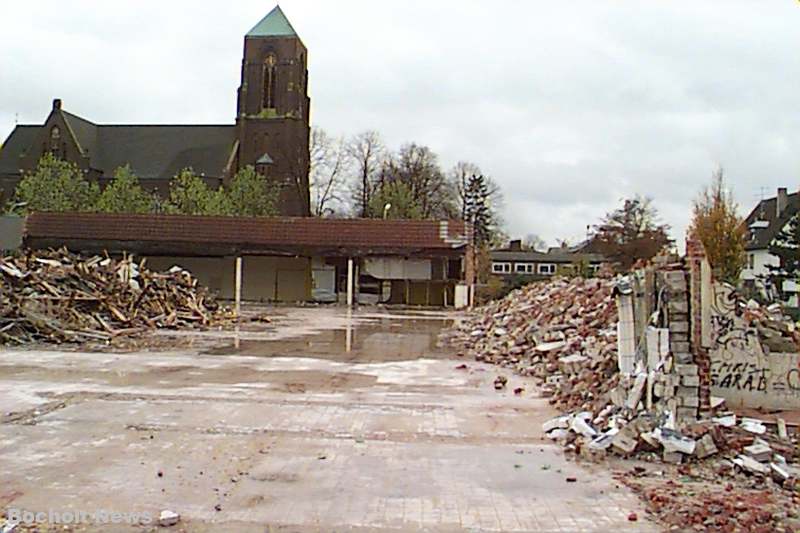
(237, 287)
(350, 282)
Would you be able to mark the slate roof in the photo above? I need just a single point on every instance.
(15, 145)
(766, 210)
(152, 151)
(275, 24)
(254, 234)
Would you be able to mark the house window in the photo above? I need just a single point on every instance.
(501, 268)
(524, 268)
(547, 269)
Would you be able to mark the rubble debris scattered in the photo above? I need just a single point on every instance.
(168, 518)
(567, 334)
(60, 297)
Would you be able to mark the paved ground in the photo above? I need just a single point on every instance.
(285, 429)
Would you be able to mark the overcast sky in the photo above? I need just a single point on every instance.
(569, 105)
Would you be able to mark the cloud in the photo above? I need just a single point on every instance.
(569, 106)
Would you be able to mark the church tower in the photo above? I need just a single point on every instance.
(272, 121)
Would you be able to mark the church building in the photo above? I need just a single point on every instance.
(271, 131)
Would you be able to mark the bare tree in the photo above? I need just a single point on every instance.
(366, 152)
(418, 167)
(328, 168)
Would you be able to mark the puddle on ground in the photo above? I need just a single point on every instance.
(376, 339)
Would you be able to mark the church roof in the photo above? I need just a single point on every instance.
(152, 151)
(275, 24)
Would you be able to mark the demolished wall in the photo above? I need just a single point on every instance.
(754, 358)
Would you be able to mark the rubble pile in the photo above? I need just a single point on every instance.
(562, 332)
(60, 297)
(776, 331)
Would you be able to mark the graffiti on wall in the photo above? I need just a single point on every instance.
(740, 370)
(729, 332)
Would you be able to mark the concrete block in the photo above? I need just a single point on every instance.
(689, 401)
(678, 326)
(690, 381)
(625, 441)
(678, 346)
(686, 370)
(760, 452)
(678, 305)
(685, 413)
(685, 392)
(679, 337)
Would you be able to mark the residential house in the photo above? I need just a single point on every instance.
(514, 261)
(763, 224)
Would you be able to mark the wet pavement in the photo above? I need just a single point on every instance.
(316, 421)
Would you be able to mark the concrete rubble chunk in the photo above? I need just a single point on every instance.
(604, 440)
(751, 465)
(780, 472)
(559, 422)
(9, 527)
(753, 425)
(672, 441)
(168, 518)
(760, 451)
(625, 441)
(727, 421)
(635, 395)
(558, 434)
(705, 447)
(783, 433)
(580, 424)
(550, 346)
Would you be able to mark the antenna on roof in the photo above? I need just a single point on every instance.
(16, 118)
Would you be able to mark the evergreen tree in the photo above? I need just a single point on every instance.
(477, 211)
(55, 185)
(786, 247)
(125, 195)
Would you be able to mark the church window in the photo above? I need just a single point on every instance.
(55, 141)
(269, 81)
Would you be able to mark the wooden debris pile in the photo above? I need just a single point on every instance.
(60, 297)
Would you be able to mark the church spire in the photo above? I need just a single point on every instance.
(275, 24)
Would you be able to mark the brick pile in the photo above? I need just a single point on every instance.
(563, 333)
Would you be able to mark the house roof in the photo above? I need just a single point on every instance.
(275, 24)
(758, 238)
(15, 146)
(552, 256)
(152, 151)
(198, 235)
